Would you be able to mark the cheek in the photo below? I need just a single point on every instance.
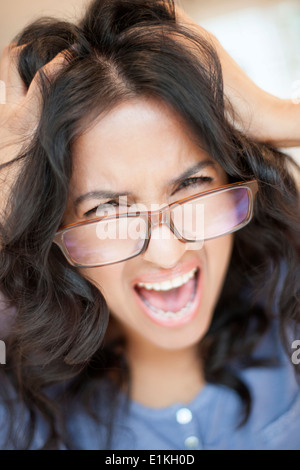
(218, 258)
(107, 279)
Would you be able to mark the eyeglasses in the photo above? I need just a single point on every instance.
(111, 239)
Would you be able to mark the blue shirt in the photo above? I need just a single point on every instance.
(209, 421)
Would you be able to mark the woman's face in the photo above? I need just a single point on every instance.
(141, 148)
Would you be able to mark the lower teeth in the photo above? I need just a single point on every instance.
(162, 314)
(180, 313)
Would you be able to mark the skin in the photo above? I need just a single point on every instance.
(139, 147)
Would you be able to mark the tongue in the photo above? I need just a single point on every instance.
(171, 300)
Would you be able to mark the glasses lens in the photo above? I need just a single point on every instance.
(106, 241)
(213, 215)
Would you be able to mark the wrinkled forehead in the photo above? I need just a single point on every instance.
(139, 142)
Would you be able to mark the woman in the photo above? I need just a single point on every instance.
(150, 250)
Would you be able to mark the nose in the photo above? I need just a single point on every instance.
(164, 248)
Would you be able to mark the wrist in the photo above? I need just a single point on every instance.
(285, 122)
(276, 121)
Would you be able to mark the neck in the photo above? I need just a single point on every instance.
(162, 377)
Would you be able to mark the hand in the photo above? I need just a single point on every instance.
(19, 113)
(258, 114)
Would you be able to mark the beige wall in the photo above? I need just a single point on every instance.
(209, 8)
(15, 14)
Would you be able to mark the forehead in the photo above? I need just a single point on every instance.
(140, 140)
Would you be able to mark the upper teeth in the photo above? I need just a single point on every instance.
(167, 285)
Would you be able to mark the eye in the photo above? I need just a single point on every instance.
(189, 182)
(194, 181)
(98, 208)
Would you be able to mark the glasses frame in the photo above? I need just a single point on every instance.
(159, 214)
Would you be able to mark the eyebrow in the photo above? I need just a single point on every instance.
(99, 194)
(191, 171)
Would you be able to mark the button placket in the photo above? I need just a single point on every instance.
(184, 418)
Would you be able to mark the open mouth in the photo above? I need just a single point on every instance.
(169, 302)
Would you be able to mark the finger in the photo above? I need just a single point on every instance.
(12, 83)
(46, 74)
(2, 92)
(32, 105)
(5, 61)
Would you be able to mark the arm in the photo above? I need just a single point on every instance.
(261, 115)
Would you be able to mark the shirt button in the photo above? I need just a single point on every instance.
(184, 416)
(191, 442)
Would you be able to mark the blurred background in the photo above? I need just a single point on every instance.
(263, 36)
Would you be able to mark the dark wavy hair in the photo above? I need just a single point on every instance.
(123, 49)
